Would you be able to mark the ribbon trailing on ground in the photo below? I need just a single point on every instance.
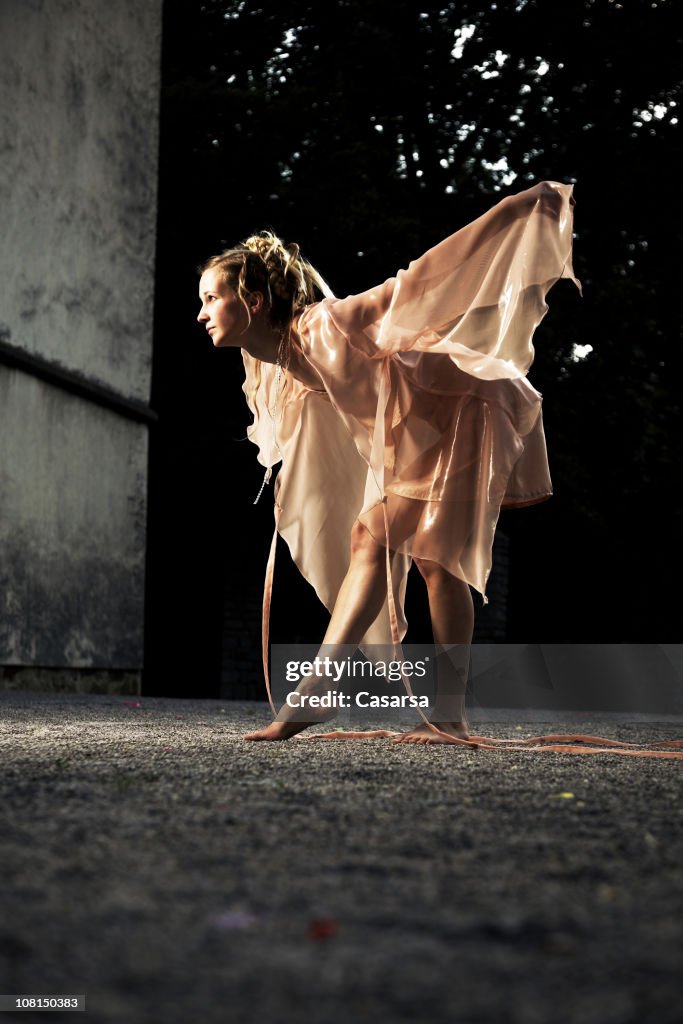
(558, 743)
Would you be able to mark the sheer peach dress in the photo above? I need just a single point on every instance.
(427, 425)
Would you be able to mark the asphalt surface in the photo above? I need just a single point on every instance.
(171, 872)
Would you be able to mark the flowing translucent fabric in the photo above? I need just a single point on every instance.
(424, 425)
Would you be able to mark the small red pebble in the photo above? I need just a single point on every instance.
(323, 928)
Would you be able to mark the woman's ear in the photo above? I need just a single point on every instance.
(255, 302)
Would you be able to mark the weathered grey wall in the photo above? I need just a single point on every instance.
(72, 531)
(79, 81)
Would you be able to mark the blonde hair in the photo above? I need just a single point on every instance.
(263, 263)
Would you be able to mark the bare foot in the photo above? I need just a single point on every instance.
(423, 734)
(278, 731)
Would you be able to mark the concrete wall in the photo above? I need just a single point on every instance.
(79, 136)
(80, 87)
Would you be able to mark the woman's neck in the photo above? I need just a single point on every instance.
(261, 340)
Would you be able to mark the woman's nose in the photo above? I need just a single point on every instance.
(202, 315)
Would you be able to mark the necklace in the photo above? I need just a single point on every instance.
(279, 375)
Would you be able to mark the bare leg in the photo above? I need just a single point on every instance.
(358, 603)
(452, 614)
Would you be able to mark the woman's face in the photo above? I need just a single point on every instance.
(222, 311)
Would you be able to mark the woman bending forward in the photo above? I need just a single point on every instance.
(404, 422)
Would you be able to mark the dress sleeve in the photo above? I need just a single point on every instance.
(269, 400)
(258, 383)
(479, 295)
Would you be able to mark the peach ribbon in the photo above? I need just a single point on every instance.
(573, 743)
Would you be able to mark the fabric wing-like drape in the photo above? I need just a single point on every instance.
(424, 424)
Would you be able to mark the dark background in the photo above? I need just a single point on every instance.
(270, 118)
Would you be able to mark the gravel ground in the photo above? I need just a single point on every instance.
(156, 862)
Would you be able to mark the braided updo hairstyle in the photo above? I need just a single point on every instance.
(263, 263)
